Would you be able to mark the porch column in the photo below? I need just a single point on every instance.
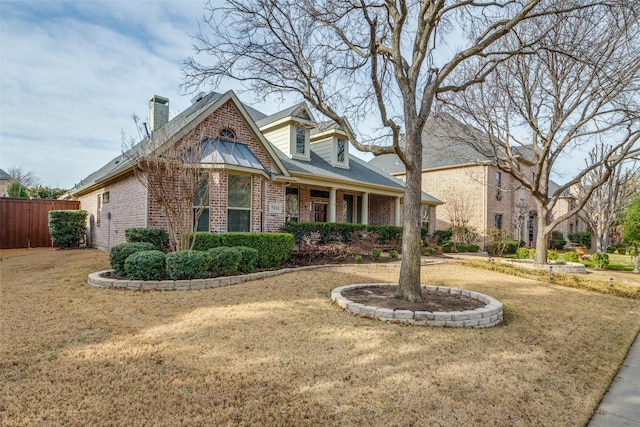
(332, 205)
(365, 209)
(396, 212)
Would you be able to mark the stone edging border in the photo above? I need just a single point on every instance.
(98, 280)
(485, 317)
(567, 267)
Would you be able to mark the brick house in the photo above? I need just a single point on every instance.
(263, 170)
(470, 187)
(5, 178)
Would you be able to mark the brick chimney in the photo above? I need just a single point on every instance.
(158, 112)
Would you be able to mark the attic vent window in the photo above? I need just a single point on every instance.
(340, 150)
(227, 134)
(301, 139)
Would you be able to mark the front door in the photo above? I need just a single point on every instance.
(320, 212)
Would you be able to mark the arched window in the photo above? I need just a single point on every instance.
(227, 133)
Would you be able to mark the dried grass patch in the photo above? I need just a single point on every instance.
(277, 351)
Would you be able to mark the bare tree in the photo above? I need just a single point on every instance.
(175, 178)
(459, 213)
(577, 87)
(609, 200)
(25, 177)
(360, 61)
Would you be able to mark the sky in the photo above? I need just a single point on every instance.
(72, 74)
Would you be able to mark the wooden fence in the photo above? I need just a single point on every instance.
(24, 223)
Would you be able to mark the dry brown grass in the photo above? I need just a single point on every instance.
(278, 352)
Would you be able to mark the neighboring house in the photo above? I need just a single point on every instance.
(473, 191)
(264, 170)
(4, 180)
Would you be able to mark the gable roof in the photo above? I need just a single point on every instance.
(171, 132)
(5, 176)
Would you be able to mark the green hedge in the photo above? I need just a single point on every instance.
(120, 253)
(467, 247)
(600, 260)
(442, 236)
(342, 232)
(611, 249)
(68, 228)
(249, 259)
(146, 265)
(522, 253)
(205, 241)
(187, 264)
(156, 235)
(557, 241)
(273, 248)
(225, 260)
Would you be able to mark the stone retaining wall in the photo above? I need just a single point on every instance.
(485, 317)
(565, 267)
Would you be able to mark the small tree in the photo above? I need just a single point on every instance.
(174, 176)
(631, 231)
(15, 189)
(68, 227)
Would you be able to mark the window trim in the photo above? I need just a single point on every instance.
(240, 208)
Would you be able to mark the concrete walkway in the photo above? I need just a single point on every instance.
(621, 404)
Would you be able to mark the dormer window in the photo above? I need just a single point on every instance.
(301, 140)
(227, 133)
(340, 150)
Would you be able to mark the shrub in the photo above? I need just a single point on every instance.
(224, 260)
(357, 259)
(375, 254)
(187, 264)
(393, 254)
(601, 260)
(467, 247)
(622, 251)
(249, 259)
(156, 235)
(532, 253)
(632, 252)
(611, 249)
(448, 247)
(68, 227)
(145, 265)
(432, 250)
(557, 241)
(522, 253)
(205, 241)
(582, 238)
(571, 257)
(442, 236)
(120, 253)
(273, 248)
(552, 255)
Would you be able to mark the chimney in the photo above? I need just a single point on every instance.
(158, 112)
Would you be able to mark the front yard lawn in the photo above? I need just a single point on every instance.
(277, 351)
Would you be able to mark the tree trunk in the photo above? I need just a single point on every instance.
(636, 256)
(409, 281)
(541, 236)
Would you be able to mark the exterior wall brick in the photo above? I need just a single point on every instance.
(126, 208)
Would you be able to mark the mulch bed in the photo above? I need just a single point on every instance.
(382, 296)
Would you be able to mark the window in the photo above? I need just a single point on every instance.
(320, 194)
(201, 212)
(340, 151)
(301, 140)
(239, 203)
(292, 208)
(105, 197)
(497, 221)
(425, 217)
(498, 185)
(227, 134)
(98, 210)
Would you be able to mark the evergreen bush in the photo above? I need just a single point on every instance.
(522, 253)
(601, 260)
(611, 249)
(120, 253)
(146, 265)
(571, 257)
(552, 255)
(249, 259)
(225, 260)
(156, 235)
(375, 254)
(205, 241)
(188, 264)
(393, 254)
(622, 251)
(68, 228)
